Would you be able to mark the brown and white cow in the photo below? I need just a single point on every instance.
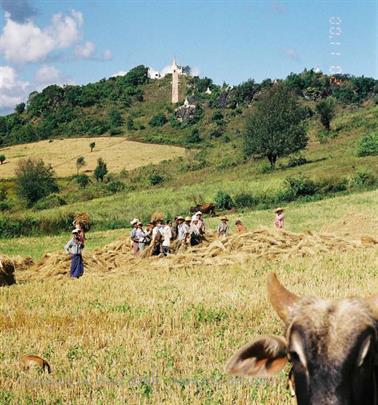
(331, 345)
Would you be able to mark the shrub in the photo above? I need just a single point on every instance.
(115, 186)
(223, 201)
(2, 159)
(217, 133)
(155, 178)
(301, 186)
(245, 200)
(158, 120)
(217, 116)
(51, 201)
(326, 110)
(227, 163)
(333, 185)
(368, 145)
(34, 180)
(363, 178)
(101, 170)
(82, 180)
(296, 161)
(194, 136)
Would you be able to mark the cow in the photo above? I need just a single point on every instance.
(204, 208)
(330, 344)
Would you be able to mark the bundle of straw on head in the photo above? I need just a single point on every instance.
(84, 221)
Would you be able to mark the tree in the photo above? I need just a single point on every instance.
(115, 118)
(326, 109)
(158, 120)
(82, 180)
(80, 162)
(34, 180)
(2, 159)
(101, 170)
(20, 108)
(92, 145)
(130, 124)
(276, 128)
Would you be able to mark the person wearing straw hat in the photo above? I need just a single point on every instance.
(223, 229)
(279, 220)
(74, 248)
(141, 236)
(182, 231)
(195, 234)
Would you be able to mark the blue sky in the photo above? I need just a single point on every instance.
(75, 41)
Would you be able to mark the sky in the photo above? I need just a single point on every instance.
(45, 42)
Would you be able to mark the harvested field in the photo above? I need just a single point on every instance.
(118, 153)
(239, 249)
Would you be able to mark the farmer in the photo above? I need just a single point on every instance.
(167, 235)
(279, 220)
(74, 248)
(222, 229)
(182, 231)
(195, 233)
(157, 238)
(201, 222)
(141, 236)
(240, 228)
(78, 226)
(133, 236)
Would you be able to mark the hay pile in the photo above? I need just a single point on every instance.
(7, 269)
(263, 243)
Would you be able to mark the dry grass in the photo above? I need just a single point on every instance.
(118, 153)
(157, 336)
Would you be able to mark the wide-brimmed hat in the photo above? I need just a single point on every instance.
(134, 221)
(224, 219)
(188, 219)
(198, 213)
(180, 218)
(76, 231)
(279, 209)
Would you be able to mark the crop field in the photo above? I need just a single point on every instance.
(157, 335)
(118, 153)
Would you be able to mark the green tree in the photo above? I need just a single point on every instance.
(92, 145)
(115, 118)
(20, 108)
(101, 170)
(34, 180)
(82, 180)
(276, 128)
(2, 159)
(327, 110)
(158, 120)
(80, 162)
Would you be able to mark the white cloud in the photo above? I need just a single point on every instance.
(12, 90)
(26, 42)
(291, 53)
(47, 74)
(86, 50)
(108, 55)
(119, 73)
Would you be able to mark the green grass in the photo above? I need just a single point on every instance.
(299, 217)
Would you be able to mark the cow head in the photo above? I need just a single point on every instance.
(331, 345)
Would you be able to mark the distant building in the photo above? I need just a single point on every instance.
(176, 71)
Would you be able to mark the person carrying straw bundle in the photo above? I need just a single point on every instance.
(74, 248)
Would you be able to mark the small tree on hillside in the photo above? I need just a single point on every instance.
(34, 180)
(101, 170)
(275, 129)
(326, 109)
(92, 145)
(82, 180)
(2, 159)
(80, 162)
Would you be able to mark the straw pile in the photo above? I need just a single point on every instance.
(7, 269)
(261, 244)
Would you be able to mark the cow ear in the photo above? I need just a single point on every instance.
(264, 357)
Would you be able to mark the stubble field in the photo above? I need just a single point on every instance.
(118, 153)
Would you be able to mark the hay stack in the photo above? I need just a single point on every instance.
(261, 244)
(7, 269)
(83, 220)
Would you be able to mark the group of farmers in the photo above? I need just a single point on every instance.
(164, 237)
(167, 237)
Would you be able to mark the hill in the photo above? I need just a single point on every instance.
(119, 153)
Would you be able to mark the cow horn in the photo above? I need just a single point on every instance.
(281, 298)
